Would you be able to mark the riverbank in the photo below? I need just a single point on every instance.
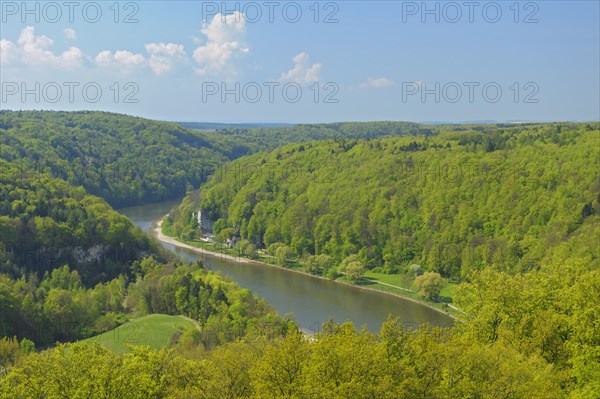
(159, 235)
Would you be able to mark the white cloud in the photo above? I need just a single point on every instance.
(69, 34)
(71, 58)
(225, 37)
(120, 59)
(377, 83)
(8, 52)
(302, 72)
(34, 51)
(161, 58)
(164, 56)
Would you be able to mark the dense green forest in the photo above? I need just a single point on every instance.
(46, 223)
(128, 160)
(59, 307)
(71, 267)
(123, 159)
(510, 212)
(530, 336)
(266, 139)
(340, 363)
(211, 126)
(454, 203)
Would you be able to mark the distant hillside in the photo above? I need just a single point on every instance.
(218, 126)
(265, 139)
(129, 160)
(123, 159)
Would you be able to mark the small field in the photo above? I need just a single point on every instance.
(408, 283)
(155, 330)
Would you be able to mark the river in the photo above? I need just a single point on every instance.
(311, 300)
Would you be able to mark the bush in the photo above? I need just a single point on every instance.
(272, 249)
(354, 271)
(416, 269)
(430, 284)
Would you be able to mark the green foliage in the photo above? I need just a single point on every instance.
(416, 269)
(47, 223)
(341, 362)
(453, 202)
(509, 210)
(430, 284)
(55, 309)
(123, 159)
(319, 264)
(247, 249)
(26, 346)
(348, 260)
(90, 371)
(553, 313)
(128, 160)
(269, 138)
(9, 354)
(272, 248)
(50, 310)
(354, 271)
(189, 341)
(225, 234)
(218, 304)
(284, 254)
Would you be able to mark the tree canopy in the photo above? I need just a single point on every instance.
(508, 211)
(505, 198)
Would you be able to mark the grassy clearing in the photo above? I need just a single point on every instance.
(408, 283)
(155, 330)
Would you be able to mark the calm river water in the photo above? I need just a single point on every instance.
(311, 300)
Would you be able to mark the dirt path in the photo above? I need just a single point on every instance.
(170, 240)
(390, 285)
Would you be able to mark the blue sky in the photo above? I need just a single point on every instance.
(351, 60)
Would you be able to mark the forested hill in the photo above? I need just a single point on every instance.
(72, 267)
(512, 212)
(209, 126)
(46, 223)
(123, 159)
(453, 203)
(129, 160)
(264, 139)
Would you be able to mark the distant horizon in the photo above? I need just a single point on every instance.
(465, 122)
